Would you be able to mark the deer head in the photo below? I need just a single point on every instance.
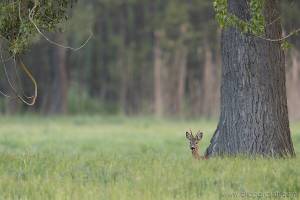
(194, 143)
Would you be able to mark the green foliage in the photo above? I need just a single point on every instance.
(256, 25)
(128, 158)
(19, 17)
(286, 45)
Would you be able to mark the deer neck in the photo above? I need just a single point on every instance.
(195, 153)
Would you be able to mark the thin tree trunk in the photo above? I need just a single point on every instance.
(63, 77)
(254, 116)
(293, 82)
(181, 68)
(59, 88)
(124, 89)
(158, 101)
(208, 85)
(94, 79)
(13, 105)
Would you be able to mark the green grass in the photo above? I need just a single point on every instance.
(135, 158)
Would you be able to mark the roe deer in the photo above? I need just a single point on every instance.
(194, 140)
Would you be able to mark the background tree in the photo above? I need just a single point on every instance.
(116, 71)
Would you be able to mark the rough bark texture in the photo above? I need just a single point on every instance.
(254, 116)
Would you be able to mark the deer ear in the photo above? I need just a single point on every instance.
(199, 135)
(188, 135)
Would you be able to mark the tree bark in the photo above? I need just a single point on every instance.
(254, 115)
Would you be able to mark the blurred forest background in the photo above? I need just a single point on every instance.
(146, 57)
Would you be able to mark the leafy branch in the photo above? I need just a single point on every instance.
(255, 26)
(17, 17)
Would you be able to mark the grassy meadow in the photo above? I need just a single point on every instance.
(130, 158)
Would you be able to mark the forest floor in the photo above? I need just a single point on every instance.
(130, 158)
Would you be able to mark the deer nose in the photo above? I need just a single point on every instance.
(192, 148)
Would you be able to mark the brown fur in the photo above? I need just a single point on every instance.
(194, 144)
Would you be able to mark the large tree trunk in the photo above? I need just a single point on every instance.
(254, 116)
